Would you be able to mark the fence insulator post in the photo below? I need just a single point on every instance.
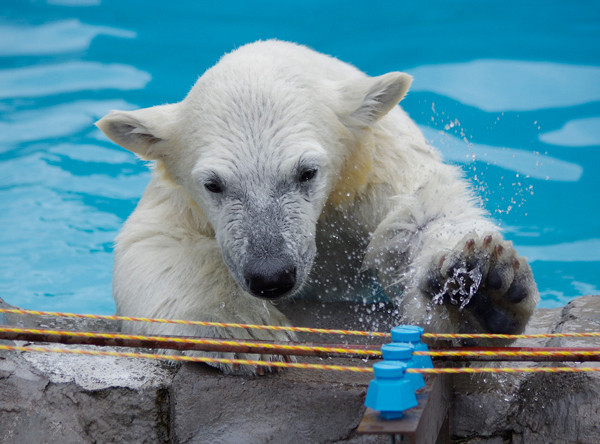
(404, 353)
(390, 392)
(411, 334)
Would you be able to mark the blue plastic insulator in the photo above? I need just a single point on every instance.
(389, 370)
(390, 392)
(397, 352)
(404, 352)
(407, 333)
(412, 334)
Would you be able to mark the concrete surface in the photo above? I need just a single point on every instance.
(50, 398)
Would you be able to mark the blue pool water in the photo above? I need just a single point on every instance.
(509, 90)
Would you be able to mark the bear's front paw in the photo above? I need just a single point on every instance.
(484, 278)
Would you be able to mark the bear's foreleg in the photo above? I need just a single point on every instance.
(447, 265)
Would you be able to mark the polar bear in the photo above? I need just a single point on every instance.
(287, 173)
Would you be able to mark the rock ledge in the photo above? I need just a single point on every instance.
(49, 398)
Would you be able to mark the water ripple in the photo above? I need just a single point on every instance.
(577, 132)
(54, 121)
(45, 80)
(578, 251)
(525, 162)
(53, 38)
(500, 85)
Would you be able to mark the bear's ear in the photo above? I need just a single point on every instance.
(369, 99)
(143, 131)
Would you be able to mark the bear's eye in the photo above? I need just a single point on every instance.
(307, 175)
(214, 186)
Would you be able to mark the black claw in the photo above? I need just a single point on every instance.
(469, 246)
(487, 241)
(516, 293)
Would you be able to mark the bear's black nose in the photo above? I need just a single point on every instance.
(270, 278)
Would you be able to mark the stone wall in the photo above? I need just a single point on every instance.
(54, 398)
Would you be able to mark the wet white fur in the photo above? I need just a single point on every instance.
(382, 199)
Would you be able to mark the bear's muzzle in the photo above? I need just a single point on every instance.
(270, 278)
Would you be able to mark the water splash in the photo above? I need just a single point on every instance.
(460, 288)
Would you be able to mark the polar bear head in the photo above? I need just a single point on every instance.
(260, 144)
